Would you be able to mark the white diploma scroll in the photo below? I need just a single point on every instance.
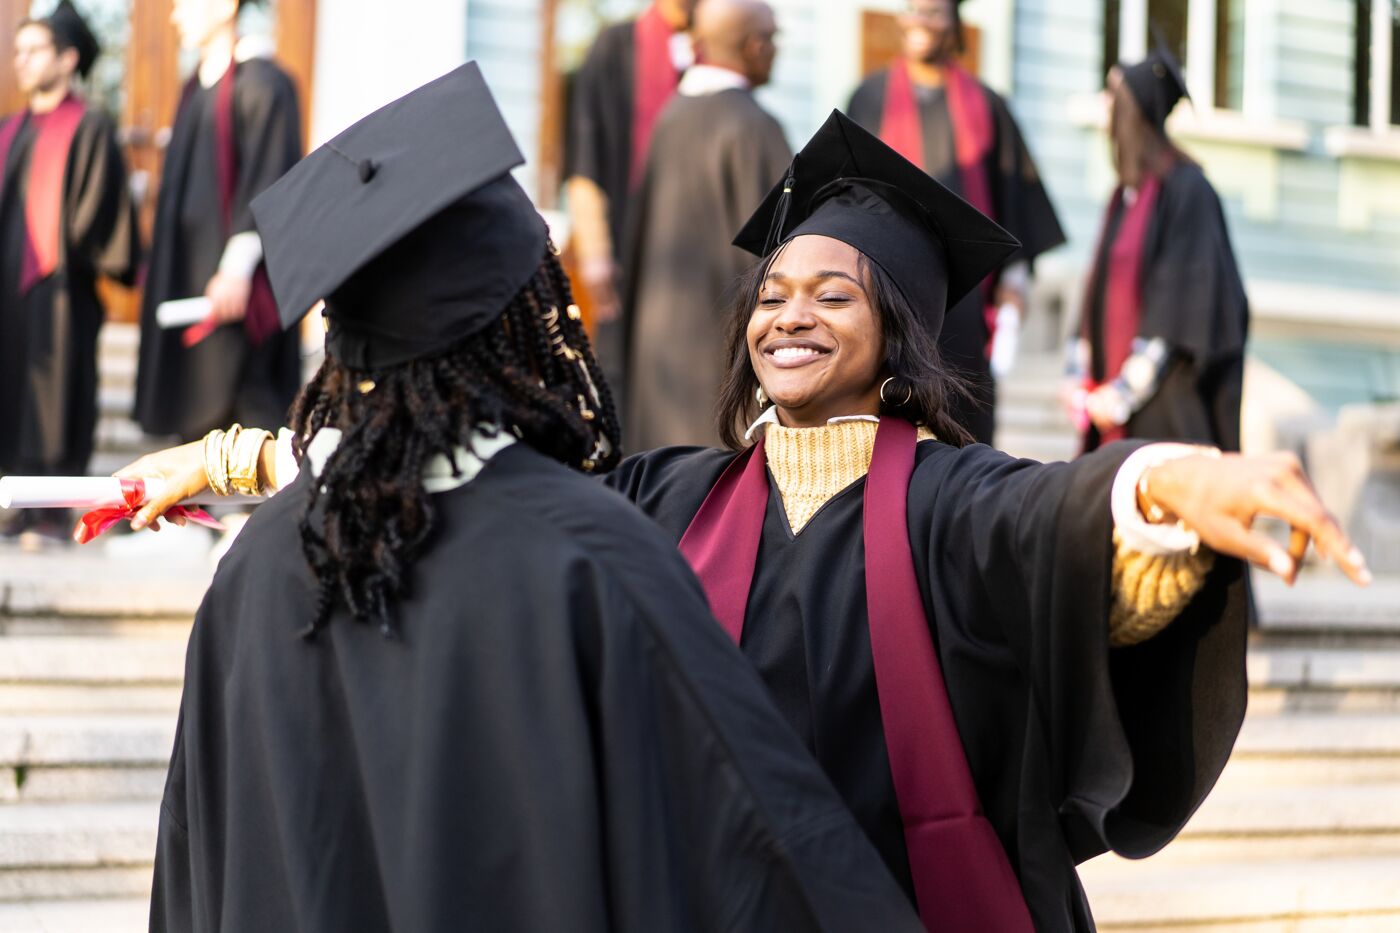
(1006, 341)
(85, 492)
(183, 312)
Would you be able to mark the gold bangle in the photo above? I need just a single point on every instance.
(247, 453)
(213, 464)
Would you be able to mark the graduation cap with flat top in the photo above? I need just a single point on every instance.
(1157, 82)
(408, 224)
(848, 185)
(70, 31)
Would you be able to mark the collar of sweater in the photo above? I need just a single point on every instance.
(812, 465)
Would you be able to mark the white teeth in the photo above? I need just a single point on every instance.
(794, 353)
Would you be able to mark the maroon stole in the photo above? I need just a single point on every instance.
(654, 81)
(261, 319)
(962, 878)
(48, 167)
(974, 134)
(1122, 293)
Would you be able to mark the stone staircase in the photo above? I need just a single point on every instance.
(1303, 831)
(1302, 834)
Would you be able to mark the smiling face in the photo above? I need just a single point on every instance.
(814, 339)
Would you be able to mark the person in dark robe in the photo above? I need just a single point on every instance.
(713, 155)
(444, 681)
(979, 650)
(237, 130)
(66, 218)
(615, 98)
(938, 116)
(1004, 667)
(1160, 353)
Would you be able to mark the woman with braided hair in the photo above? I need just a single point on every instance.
(540, 727)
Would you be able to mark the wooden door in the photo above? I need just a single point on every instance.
(11, 12)
(881, 42)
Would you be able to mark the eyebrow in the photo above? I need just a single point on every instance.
(822, 275)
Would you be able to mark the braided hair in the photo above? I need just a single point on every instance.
(531, 372)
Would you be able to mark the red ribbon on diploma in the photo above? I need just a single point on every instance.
(98, 521)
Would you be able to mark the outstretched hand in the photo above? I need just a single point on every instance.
(182, 472)
(1219, 499)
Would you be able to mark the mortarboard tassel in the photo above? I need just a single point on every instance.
(780, 214)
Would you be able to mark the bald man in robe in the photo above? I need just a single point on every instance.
(714, 154)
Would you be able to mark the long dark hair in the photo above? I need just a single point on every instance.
(531, 372)
(922, 383)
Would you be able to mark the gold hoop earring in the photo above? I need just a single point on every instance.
(761, 397)
(908, 397)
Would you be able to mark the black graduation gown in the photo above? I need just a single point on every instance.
(1022, 207)
(48, 336)
(1192, 298)
(598, 146)
(561, 738)
(1075, 749)
(222, 379)
(713, 160)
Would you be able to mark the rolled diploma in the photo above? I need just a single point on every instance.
(182, 312)
(85, 492)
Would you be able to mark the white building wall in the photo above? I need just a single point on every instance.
(369, 52)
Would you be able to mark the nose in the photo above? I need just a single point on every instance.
(796, 316)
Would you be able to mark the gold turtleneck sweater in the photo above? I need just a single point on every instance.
(811, 465)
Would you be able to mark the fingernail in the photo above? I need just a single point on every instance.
(1355, 557)
(137, 524)
(1365, 575)
(1281, 564)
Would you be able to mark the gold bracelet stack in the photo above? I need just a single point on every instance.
(231, 460)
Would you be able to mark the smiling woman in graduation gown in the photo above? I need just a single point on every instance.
(964, 640)
(542, 728)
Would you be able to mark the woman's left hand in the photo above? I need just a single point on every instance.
(1219, 499)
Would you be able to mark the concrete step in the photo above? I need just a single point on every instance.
(1324, 602)
(107, 915)
(99, 580)
(1044, 447)
(1319, 735)
(76, 886)
(84, 699)
(1281, 811)
(1324, 668)
(1286, 893)
(84, 660)
(58, 741)
(78, 835)
(82, 784)
(167, 626)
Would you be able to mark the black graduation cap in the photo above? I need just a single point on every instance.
(70, 31)
(1156, 82)
(848, 185)
(408, 224)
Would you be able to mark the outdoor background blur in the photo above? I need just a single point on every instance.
(1296, 121)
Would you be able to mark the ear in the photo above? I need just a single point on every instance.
(68, 61)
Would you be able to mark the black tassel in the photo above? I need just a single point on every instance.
(780, 214)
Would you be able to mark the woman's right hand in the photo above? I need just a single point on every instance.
(181, 470)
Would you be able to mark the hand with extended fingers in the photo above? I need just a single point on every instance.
(1220, 497)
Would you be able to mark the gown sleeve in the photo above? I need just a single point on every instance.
(100, 216)
(1023, 205)
(269, 135)
(1018, 565)
(1192, 295)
